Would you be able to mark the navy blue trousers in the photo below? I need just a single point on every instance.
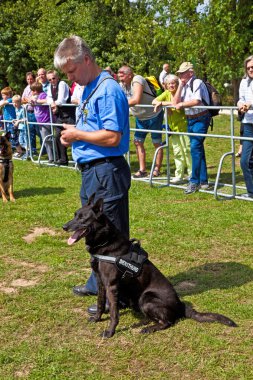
(110, 181)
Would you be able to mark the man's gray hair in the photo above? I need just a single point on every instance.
(74, 49)
(250, 58)
(126, 69)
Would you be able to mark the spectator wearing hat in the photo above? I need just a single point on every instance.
(198, 120)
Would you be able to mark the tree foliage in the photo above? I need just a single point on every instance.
(216, 35)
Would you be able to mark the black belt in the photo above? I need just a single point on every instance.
(87, 165)
(30, 111)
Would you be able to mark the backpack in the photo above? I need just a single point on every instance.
(214, 98)
(154, 85)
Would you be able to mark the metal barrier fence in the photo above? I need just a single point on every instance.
(51, 136)
(165, 180)
(217, 185)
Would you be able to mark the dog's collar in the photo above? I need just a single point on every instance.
(5, 160)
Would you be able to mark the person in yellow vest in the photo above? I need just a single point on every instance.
(178, 123)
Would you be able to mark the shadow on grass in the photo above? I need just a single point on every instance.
(227, 177)
(198, 280)
(35, 191)
(212, 276)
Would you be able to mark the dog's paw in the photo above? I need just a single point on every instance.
(94, 319)
(107, 334)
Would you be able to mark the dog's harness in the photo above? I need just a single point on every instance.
(130, 264)
(6, 163)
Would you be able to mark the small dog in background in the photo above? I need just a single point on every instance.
(6, 168)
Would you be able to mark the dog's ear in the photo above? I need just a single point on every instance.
(8, 135)
(91, 199)
(98, 206)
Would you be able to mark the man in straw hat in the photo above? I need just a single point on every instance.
(198, 120)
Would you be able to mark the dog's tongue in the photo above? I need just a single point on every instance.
(75, 237)
(71, 240)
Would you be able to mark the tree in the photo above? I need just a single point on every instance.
(216, 35)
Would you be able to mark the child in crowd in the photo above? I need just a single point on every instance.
(42, 114)
(19, 124)
(8, 115)
(177, 123)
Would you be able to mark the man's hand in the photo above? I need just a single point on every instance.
(68, 134)
(157, 107)
(179, 106)
(54, 108)
(244, 107)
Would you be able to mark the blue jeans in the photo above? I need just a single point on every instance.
(156, 124)
(33, 130)
(110, 181)
(22, 138)
(247, 147)
(199, 169)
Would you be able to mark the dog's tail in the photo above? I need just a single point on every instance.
(208, 317)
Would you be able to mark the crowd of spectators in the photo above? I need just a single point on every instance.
(29, 115)
(47, 100)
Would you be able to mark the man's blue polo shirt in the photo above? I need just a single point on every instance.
(107, 109)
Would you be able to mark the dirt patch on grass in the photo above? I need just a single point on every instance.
(33, 266)
(13, 287)
(185, 285)
(38, 231)
(6, 289)
(22, 274)
(23, 283)
(23, 372)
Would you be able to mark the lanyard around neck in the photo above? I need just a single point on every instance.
(86, 101)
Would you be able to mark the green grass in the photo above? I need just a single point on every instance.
(204, 246)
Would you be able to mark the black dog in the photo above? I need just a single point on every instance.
(138, 280)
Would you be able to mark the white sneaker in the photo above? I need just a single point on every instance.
(204, 186)
(176, 180)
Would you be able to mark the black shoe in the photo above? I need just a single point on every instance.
(50, 161)
(81, 290)
(62, 163)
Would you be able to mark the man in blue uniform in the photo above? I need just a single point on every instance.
(99, 139)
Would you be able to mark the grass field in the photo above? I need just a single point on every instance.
(202, 245)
